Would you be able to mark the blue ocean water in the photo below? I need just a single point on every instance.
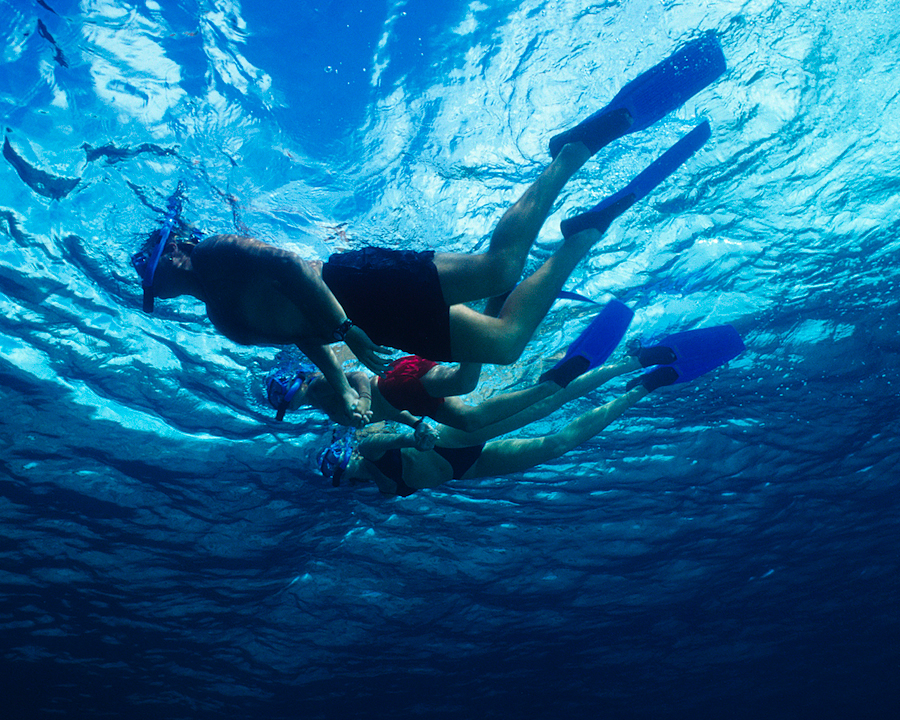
(725, 550)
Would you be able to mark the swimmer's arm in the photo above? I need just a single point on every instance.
(374, 446)
(375, 357)
(296, 279)
(324, 358)
(359, 381)
(302, 284)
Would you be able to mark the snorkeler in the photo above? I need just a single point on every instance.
(375, 298)
(415, 387)
(411, 389)
(393, 462)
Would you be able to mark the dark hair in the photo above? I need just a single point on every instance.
(184, 241)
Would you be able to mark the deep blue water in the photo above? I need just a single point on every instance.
(726, 550)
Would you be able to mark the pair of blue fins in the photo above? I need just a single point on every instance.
(677, 358)
(683, 356)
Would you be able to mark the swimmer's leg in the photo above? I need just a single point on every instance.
(472, 418)
(501, 457)
(540, 409)
(477, 338)
(644, 183)
(465, 277)
(474, 337)
(650, 96)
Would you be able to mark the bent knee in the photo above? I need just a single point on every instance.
(470, 422)
(507, 278)
(505, 271)
(508, 350)
(468, 383)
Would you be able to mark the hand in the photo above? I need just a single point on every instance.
(356, 409)
(424, 437)
(367, 352)
(361, 419)
(363, 412)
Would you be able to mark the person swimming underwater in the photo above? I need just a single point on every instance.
(416, 387)
(375, 298)
(398, 466)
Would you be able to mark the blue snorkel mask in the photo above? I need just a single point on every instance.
(284, 381)
(146, 262)
(334, 459)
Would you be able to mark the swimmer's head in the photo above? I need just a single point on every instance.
(173, 236)
(157, 255)
(283, 383)
(334, 459)
(146, 261)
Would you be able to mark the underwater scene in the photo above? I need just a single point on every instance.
(727, 548)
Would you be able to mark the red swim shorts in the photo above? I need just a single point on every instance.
(402, 386)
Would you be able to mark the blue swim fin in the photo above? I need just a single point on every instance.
(650, 96)
(594, 345)
(603, 213)
(687, 355)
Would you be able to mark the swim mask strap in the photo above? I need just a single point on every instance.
(145, 263)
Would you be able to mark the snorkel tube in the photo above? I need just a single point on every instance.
(146, 263)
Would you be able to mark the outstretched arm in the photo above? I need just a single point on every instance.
(346, 407)
(359, 381)
(322, 396)
(303, 284)
(375, 357)
(377, 444)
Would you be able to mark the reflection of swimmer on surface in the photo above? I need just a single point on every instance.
(374, 298)
(393, 462)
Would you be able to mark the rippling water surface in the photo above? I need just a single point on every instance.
(725, 550)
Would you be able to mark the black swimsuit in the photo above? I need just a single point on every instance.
(391, 466)
(461, 459)
(394, 296)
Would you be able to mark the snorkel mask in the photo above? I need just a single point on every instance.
(334, 459)
(146, 262)
(284, 381)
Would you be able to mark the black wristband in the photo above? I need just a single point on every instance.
(341, 331)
